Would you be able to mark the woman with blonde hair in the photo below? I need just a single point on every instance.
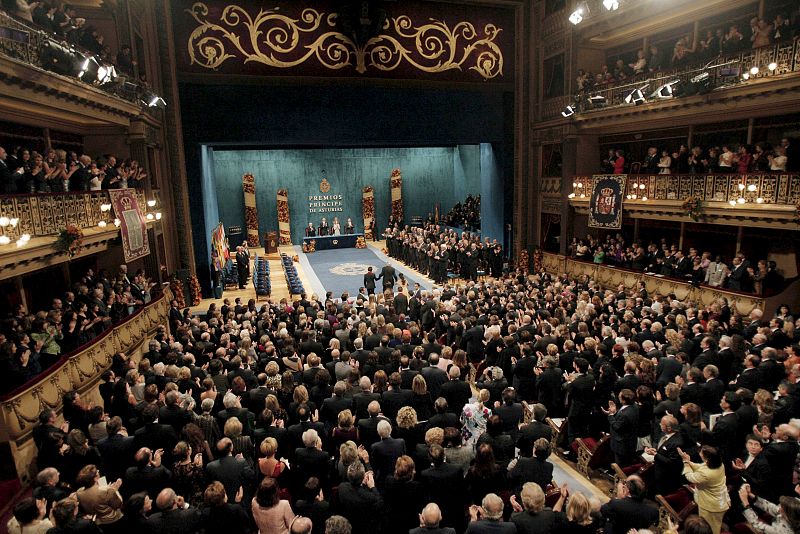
(408, 428)
(269, 465)
(344, 431)
(404, 496)
(421, 400)
(764, 401)
(241, 444)
(579, 516)
(273, 375)
(711, 492)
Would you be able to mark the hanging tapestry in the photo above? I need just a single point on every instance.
(133, 226)
(284, 228)
(368, 210)
(250, 212)
(605, 204)
(397, 196)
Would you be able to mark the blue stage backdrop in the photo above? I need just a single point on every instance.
(431, 175)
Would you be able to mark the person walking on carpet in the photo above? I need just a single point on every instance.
(369, 281)
(388, 276)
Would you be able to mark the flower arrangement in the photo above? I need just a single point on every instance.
(522, 263)
(310, 246)
(177, 291)
(194, 286)
(70, 240)
(693, 207)
(360, 243)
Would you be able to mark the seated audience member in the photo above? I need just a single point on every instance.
(628, 510)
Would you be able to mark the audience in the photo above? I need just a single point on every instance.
(620, 351)
(466, 215)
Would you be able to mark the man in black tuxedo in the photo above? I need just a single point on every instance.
(534, 468)
(443, 418)
(433, 375)
(369, 281)
(536, 429)
(396, 397)
(233, 408)
(364, 398)
(329, 412)
(580, 388)
(311, 460)
(456, 392)
(359, 500)
(232, 471)
(115, 450)
(754, 468)
(295, 432)
(445, 485)
(651, 161)
(713, 389)
(388, 276)
(770, 371)
(429, 521)
(172, 517)
(667, 369)
(549, 386)
(623, 423)
(8, 179)
(310, 230)
(781, 454)
(258, 395)
(385, 453)
(172, 414)
(628, 510)
(473, 341)
(725, 433)
(668, 463)
(147, 474)
(401, 302)
(368, 427)
(691, 391)
(242, 264)
(153, 435)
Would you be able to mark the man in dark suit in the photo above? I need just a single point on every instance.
(173, 518)
(154, 435)
(368, 427)
(690, 388)
(443, 418)
(369, 281)
(749, 377)
(549, 383)
(445, 485)
(534, 468)
(456, 392)
(295, 432)
(434, 376)
(472, 341)
(628, 510)
(233, 408)
(713, 389)
(258, 396)
(429, 521)
(172, 414)
(580, 388)
(401, 302)
(232, 471)
(385, 453)
(667, 369)
(781, 454)
(770, 371)
(363, 398)
(311, 460)
(359, 500)
(725, 433)
(329, 412)
(755, 469)
(242, 265)
(396, 397)
(668, 463)
(115, 450)
(8, 179)
(147, 474)
(531, 432)
(623, 423)
(388, 276)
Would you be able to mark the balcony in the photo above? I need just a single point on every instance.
(38, 68)
(767, 200)
(758, 81)
(43, 216)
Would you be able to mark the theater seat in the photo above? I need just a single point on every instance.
(592, 454)
(676, 507)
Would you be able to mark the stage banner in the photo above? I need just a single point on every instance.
(250, 212)
(284, 228)
(605, 204)
(133, 226)
(368, 210)
(219, 243)
(397, 196)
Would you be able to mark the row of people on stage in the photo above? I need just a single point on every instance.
(334, 228)
(436, 251)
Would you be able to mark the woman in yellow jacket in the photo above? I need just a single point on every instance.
(710, 491)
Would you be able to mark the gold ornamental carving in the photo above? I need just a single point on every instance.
(277, 40)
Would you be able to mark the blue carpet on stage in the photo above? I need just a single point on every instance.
(343, 269)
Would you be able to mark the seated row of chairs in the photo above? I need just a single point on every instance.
(292, 279)
(230, 276)
(261, 281)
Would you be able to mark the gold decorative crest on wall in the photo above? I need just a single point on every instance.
(324, 185)
(277, 40)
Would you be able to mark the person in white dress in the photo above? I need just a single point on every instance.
(337, 228)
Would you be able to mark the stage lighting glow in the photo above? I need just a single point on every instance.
(667, 90)
(577, 16)
(611, 5)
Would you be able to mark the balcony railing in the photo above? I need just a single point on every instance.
(771, 188)
(46, 214)
(723, 71)
(24, 42)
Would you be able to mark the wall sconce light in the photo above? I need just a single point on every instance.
(105, 207)
(150, 217)
(151, 203)
(117, 222)
(102, 224)
(158, 216)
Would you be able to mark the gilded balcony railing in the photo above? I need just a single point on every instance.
(771, 188)
(713, 73)
(25, 42)
(46, 214)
